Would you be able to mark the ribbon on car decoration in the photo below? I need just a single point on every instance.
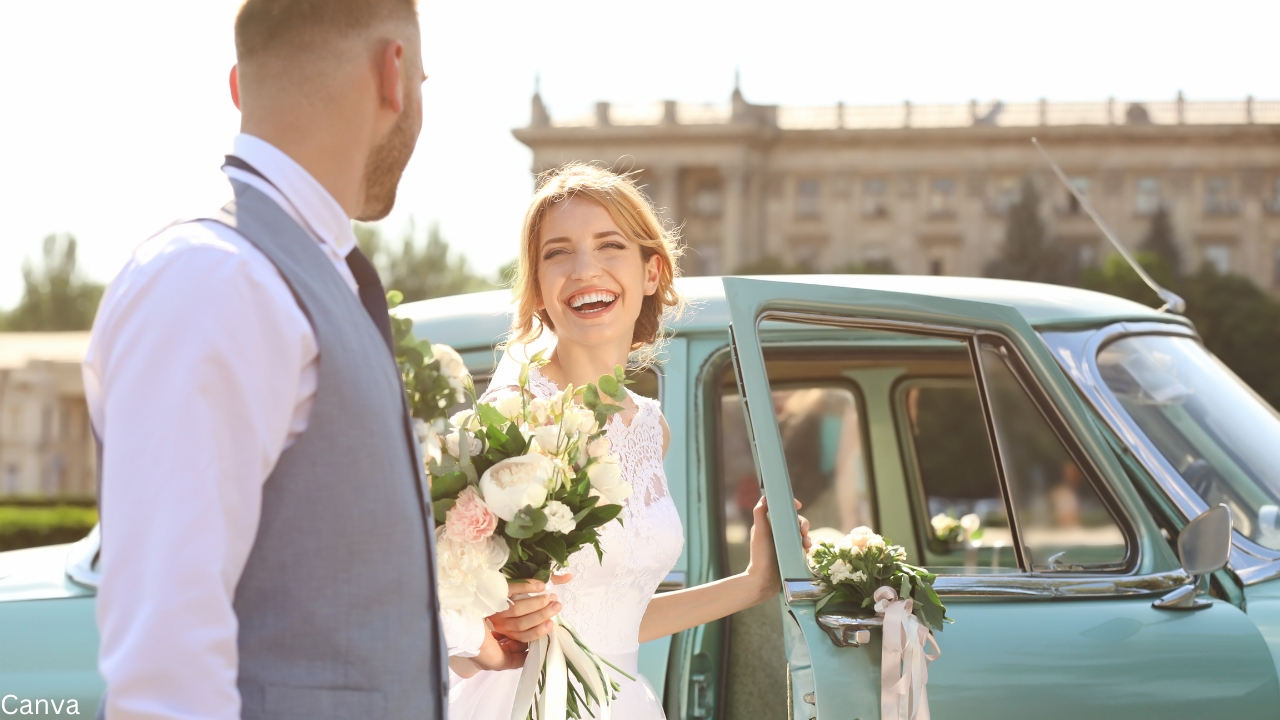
(904, 664)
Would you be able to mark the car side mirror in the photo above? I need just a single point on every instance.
(1204, 546)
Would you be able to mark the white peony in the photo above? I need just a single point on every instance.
(469, 574)
(606, 479)
(516, 483)
(559, 517)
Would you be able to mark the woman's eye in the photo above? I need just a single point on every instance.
(614, 245)
(555, 252)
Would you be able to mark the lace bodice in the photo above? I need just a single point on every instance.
(606, 600)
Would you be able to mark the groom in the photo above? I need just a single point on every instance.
(267, 551)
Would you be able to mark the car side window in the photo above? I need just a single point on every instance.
(820, 423)
(1062, 521)
(949, 452)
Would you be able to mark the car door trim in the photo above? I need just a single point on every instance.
(1029, 586)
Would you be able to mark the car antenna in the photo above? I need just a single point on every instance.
(1172, 303)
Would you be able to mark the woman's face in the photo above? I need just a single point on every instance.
(593, 278)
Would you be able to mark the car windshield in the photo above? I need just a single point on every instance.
(1222, 438)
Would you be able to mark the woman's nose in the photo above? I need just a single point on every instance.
(586, 267)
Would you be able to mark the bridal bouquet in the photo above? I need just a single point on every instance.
(869, 573)
(519, 484)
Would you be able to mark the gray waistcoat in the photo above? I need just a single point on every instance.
(337, 604)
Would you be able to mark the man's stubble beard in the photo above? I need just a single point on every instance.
(387, 162)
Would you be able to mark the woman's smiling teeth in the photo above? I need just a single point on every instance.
(593, 301)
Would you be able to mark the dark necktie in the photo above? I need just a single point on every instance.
(372, 295)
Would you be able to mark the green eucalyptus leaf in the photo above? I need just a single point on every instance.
(449, 485)
(527, 522)
(608, 385)
(440, 508)
(394, 298)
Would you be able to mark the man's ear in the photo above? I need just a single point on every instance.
(234, 80)
(391, 75)
(652, 274)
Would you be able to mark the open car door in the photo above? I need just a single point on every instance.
(963, 411)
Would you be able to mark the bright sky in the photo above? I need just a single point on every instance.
(116, 114)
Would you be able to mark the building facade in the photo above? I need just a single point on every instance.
(926, 189)
(46, 444)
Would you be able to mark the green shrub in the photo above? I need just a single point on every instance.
(30, 525)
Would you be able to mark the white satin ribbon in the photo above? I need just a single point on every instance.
(544, 680)
(904, 664)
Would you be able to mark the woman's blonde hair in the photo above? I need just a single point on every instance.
(632, 212)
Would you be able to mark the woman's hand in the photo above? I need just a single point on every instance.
(763, 566)
(528, 617)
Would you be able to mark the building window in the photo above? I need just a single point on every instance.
(1146, 199)
(1007, 194)
(937, 266)
(1217, 196)
(873, 198)
(808, 199)
(1072, 205)
(1218, 256)
(942, 192)
(707, 199)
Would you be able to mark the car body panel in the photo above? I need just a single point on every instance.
(1003, 656)
(1104, 656)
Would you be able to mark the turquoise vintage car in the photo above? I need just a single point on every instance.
(1081, 432)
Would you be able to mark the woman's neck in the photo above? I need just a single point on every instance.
(583, 365)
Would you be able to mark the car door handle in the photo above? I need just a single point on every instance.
(848, 631)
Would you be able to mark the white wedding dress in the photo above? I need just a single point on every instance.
(606, 600)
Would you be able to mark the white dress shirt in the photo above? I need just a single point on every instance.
(201, 370)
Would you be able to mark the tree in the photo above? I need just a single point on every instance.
(56, 296)
(417, 271)
(1160, 242)
(772, 265)
(1238, 322)
(1028, 252)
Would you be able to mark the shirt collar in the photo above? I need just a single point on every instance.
(322, 214)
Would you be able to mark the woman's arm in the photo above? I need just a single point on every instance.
(673, 612)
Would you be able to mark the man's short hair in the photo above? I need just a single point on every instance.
(289, 26)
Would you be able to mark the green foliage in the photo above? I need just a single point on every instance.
(1238, 321)
(851, 577)
(23, 526)
(1028, 253)
(57, 296)
(1160, 242)
(419, 272)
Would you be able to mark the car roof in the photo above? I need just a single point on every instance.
(482, 319)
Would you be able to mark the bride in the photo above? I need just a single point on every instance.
(597, 270)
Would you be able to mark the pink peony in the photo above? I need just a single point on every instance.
(470, 520)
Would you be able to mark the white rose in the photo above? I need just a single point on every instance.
(861, 538)
(469, 577)
(606, 479)
(559, 517)
(550, 438)
(465, 419)
(510, 404)
(451, 365)
(539, 411)
(841, 571)
(515, 483)
(453, 444)
(599, 447)
(859, 576)
(970, 523)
